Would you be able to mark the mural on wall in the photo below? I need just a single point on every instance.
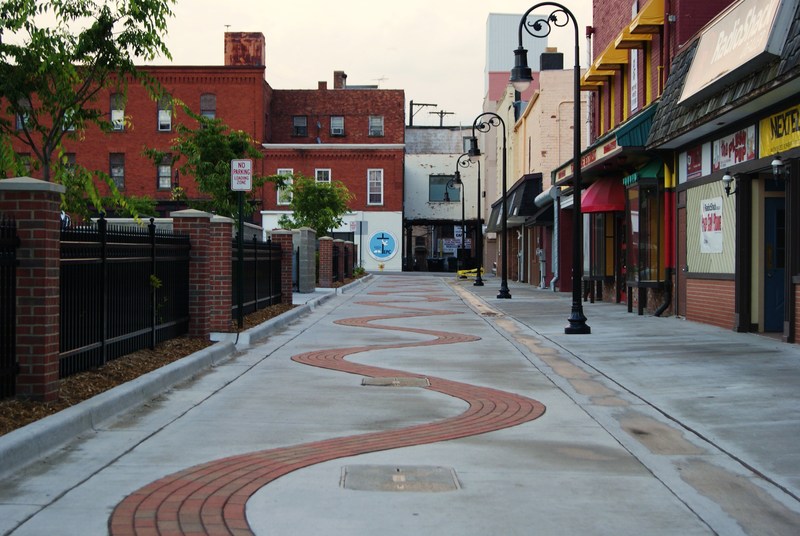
(382, 246)
(711, 225)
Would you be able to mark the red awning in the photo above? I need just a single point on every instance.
(604, 195)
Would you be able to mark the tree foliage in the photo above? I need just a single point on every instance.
(205, 153)
(51, 75)
(318, 205)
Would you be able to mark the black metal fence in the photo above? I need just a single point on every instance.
(261, 273)
(8, 307)
(336, 254)
(122, 289)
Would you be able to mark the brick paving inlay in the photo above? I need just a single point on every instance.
(210, 498)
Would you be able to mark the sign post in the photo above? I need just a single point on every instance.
(241, 182)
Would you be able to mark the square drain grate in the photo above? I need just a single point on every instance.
(425, 478)
(396, 382)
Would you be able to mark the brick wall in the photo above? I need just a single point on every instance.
(710, 302)
(355, 105)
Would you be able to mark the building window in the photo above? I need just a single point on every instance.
(374, 186)
(165, 173)
(285, 193)
(438, 190)
(116, 164)
(299, 125)
(323, 175)
(376, 125)
(24, 113)
(68, 125)
(337, 125)
(602, 243)
(165, 114)
(117, 112)
(208, 105)
(645, 233)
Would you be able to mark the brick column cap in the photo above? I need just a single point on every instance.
(280, 232)
(194, 213)
(326, 238)
(338, 240)
(29, 184)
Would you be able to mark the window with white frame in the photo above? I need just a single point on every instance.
(323, 175)
(337, 125)
(376, 125)
(117, 112)
(165, 173)
(374, 186)
(116, 163)
(165, 114)
(285, 193)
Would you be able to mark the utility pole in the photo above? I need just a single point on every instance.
(411, 111)
(441, 115)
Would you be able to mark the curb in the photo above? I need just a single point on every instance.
(25, 445)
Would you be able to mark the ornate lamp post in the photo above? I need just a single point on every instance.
(495, 120)
(521, 78)
(465, 162)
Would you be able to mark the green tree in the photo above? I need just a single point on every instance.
(318, 205)
(205, 153)
(51, 75)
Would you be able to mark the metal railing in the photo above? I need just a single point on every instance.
(9, 368)
(262, 275)
(122, 289)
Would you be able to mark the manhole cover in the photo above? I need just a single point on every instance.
(428, 478)
(396, 382)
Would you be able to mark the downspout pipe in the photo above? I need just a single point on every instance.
(551, 196)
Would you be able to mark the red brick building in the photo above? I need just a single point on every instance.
(353, 134)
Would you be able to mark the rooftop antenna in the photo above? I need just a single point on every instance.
(411, 111)
(441, 115)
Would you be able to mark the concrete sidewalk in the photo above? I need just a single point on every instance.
(646, 426)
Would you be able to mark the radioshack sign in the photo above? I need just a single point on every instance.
(241, 175)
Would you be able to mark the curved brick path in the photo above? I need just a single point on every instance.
(210, 498)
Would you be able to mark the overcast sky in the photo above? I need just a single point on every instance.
(432, 49)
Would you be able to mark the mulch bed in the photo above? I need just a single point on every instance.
(17, 413)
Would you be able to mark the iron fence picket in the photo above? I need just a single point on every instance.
(261, 266)
(122, 289)
(9, 368)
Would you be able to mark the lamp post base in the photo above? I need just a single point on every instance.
(504, 293)
(478, 281)
(577, 323)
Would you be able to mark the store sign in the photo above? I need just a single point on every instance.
(739, 42)
(596, 154)
(711, 225)
(694, 163)
(779, 132)
(734, 149)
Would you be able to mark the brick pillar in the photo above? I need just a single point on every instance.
(285, 240)
(326, 262)
(210, 266)
(34, 204)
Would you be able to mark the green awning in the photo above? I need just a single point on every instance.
(635, 131)
(652, 170)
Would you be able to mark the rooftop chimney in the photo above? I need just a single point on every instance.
(339, 80)
(322, 84)
(245, 48)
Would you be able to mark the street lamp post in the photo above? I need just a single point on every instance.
(456, 182)
(521, 77)
(495, 120)
(465, 162)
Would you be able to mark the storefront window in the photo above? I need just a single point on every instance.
(645, 234)
(601, 244)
